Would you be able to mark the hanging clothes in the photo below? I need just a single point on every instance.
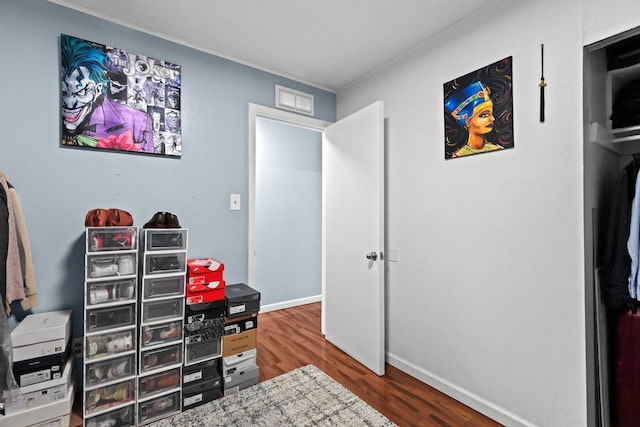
(24, 248)
(617, 261)
(20, 274)
(14, 278)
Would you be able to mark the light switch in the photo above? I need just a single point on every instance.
(234, 202)
(393, 254)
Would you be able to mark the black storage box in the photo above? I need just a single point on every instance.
(205, 311)
(241, 299)
(201, 393)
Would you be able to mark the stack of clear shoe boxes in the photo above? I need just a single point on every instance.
(204, 321)
(163, 272)
(110, 317)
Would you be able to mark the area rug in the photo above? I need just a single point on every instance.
(303, 397)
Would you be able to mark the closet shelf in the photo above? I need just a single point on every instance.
(623, 141)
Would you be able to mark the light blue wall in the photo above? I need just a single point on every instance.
(288, 226)
(57, 186)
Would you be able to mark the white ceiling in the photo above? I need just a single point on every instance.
(327, 43)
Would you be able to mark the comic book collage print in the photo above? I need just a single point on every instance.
(113, 99)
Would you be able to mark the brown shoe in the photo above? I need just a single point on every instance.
(171, 221)
(157, 221)
(96, 218)
(118, 218)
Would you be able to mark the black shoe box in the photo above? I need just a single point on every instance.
(241, 299)
(205, 311)
(201, 393)
(207, 371)
(39, 369)
(241, 324)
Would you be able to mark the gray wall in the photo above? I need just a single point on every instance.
(288, 233)
(57, 185)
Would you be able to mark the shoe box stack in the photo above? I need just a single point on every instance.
(43, 370)
(164, 253)
(204, 328)
(110, 319)
(239, 351)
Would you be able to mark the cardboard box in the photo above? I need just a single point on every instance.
(239, 362)
(204, 270)
(44, 392)
(41, 415)
(28, 375)
(239, 343)
(240, 324)
(241, 299)
(40, 349)
(199, 293)
(48, 360)
(42, 327)
(236, 382)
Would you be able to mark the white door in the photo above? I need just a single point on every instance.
(353, 190)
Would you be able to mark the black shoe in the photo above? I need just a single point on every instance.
(171, 221)
(157, 221)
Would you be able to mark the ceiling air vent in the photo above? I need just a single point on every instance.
(294, 100)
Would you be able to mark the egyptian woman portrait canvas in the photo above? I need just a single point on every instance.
(478, 111)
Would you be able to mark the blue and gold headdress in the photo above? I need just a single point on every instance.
(465, 102)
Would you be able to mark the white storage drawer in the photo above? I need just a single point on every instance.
(119, 417)
(110, 266)
(155, 311)
(165, 239)
(159, 382)
(109, 344)
(151, 360)
(159, 407)
(110, 396)
(103, 239)
(161, 286)
(200, 350)
(100, 319)
(110, 370)
(113, 291)
(161, 333)
(165, 263)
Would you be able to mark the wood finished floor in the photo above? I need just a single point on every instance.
(291, 338)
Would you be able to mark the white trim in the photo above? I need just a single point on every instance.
(289, 304)
(255, 111)
(460, 394)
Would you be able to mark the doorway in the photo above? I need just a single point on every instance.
(285, 207)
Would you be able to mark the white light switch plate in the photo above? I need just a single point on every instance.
(234, 202)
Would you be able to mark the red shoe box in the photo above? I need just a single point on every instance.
(203, 270)
(201, 293)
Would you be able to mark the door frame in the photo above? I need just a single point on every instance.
(286, 117)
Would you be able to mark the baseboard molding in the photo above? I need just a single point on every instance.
(464, 396)
(289, 304)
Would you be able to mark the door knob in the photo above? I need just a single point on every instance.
(372, 256)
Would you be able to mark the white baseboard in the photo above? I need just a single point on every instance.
(461, 395)
(289, 304)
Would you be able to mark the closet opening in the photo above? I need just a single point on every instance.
(611, 165)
